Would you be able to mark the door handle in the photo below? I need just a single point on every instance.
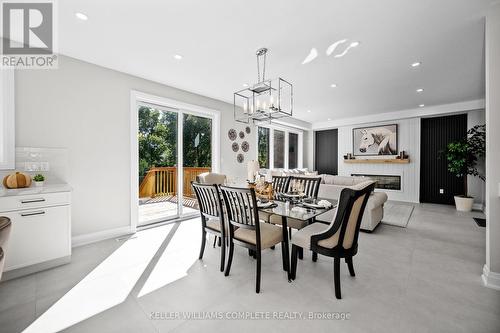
(32, 200)
(41, 212)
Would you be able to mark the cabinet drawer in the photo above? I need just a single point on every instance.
(29, 201)
(38, 235)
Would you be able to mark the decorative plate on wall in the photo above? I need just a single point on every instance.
(242, 135)
(235, 146)
(232, 134)
(240, 158)
(245, 146)
(247, 129)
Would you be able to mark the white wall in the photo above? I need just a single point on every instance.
(491, 272)
(85, 108)
(408, 140)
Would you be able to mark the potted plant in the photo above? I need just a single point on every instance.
(38, 179)
(462, 157)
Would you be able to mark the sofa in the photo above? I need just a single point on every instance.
(330, 188)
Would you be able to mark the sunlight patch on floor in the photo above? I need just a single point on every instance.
(106, 286)
(179, 256)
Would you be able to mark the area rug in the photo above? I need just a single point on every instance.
(397, 214)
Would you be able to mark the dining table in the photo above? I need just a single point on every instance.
(294, 209)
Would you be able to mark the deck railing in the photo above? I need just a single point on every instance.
(163, 181)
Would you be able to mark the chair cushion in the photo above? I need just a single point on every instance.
(214, 224)
(302, 237)
(269, 235)
(292, 223)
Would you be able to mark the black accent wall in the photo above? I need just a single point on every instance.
(326, 151)
(436, 133)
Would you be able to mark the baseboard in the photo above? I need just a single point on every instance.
(478, 206)
(18, 272)
(99, 236)
(491, 279)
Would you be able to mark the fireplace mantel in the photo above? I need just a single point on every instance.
(378, 160)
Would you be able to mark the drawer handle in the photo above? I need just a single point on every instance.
(32, 200)
(32, 213)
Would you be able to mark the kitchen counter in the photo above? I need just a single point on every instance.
(47, 188)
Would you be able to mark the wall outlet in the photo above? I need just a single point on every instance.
(44, 166)
(441, 191)
(31, 166)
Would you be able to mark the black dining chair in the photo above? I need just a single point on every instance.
(241, 207)
(311, 189)
(340, 238)
(212, 216)
(280, 185)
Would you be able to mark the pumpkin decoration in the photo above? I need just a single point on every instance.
(17, 180)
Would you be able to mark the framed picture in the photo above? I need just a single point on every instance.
(375, 140)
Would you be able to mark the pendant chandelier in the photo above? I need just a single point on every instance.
(266, 100)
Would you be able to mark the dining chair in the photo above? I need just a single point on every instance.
(280, 185)
(241, 206)
(340, 238)
(212, 216)
(5, 227)
(311, 189)
(211, 178)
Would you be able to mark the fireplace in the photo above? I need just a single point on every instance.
(384, 182)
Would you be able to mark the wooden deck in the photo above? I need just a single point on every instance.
(163, 207)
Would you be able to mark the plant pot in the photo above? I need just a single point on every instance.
(39, 184)
(463, 204)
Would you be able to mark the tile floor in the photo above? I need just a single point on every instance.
(423, 278)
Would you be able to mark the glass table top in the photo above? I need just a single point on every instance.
(297, 211)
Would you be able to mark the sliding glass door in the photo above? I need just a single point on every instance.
(196, 155)
(168, 138)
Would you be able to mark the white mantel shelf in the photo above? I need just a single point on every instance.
(378, 160)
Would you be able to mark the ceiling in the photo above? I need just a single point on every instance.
(218, 40)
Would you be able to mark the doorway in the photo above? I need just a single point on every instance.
(172, 144)
(437, 184)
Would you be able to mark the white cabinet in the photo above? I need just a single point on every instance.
(7, 119)
(41, 230)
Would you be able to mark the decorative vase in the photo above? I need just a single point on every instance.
(463, 204)
(39, 184)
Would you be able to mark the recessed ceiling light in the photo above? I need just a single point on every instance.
(81, 16)
(352, 45)
(311, 56)
(333, 85)
(329, 118)
(421, 105)
(245, 85)
(419, 90)
(416, 64)
(334, 46)
(177, 57)
(308, 111)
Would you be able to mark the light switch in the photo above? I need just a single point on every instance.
(441, 191)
